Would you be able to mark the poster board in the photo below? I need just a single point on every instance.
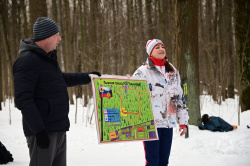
(123, 109)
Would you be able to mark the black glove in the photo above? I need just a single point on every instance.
(96, 73)
(42, 139)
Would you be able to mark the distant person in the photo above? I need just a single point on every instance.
(167, 102)
(41, 94)
(213, 123)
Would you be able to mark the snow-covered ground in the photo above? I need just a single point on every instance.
(203, 148)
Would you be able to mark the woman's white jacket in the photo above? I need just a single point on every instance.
(166, 95)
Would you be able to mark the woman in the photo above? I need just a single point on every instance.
(167, 102)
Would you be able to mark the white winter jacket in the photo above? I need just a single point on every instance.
(166, 95)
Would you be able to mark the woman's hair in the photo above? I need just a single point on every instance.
(169, 68)
(204, 118)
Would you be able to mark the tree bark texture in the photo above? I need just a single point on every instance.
(188, 55)
(242, 30)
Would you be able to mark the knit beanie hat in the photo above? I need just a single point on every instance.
(151, 45)
(43, 28)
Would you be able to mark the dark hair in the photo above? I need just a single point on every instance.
(204, 118)
(168, 67)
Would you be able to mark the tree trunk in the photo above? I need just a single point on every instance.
(54, 10)
(1, 79)
(162, 20)
(209, 56)
(69, 50)
(93, 31)
(132, 58)
(141, 33)
(83, 32)
(25, 21)
(202, 52)
(6, 44)
(14, 35)
(188, 54)
(215, 82)
(242, 31)
(115, 45)
(229, 48)
(149, 19)
(37, 8)
(220, 85)
(78, 59)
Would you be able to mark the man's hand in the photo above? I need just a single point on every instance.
(182, 129)
(42, 139)
(96, 73)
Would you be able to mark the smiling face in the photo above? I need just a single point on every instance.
(159, 51)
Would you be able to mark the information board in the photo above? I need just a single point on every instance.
(123, 109)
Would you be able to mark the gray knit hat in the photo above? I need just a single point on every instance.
(43, 28)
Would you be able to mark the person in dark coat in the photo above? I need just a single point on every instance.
(213, 123)
(41, 94)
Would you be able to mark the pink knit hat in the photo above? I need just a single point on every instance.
(151, 45)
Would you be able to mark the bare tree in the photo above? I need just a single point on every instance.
(149, 18)
(37, 8)
(132, 38)
(229, 50)
(24, 19)
(1, 78)
(6, 44)
(242, 30)
(188, 56)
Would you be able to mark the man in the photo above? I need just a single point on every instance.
(41, 94)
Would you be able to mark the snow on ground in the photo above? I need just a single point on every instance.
(202, 148)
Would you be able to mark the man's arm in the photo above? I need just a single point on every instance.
(73, 79)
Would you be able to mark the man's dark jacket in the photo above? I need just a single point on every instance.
(216, 124)
(41, 89)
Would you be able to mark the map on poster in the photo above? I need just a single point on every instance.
(123, 109)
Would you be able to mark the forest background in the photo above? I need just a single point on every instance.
(208, 41)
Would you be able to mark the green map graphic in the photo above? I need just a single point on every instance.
(124, 110)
